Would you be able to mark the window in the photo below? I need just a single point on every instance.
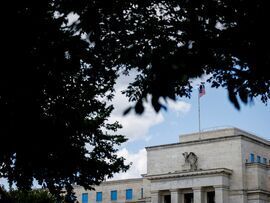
(188, 197)
(251, 158)
(128, 194)
(264, 161)
(99, 197)
(211, 197)
(258, 159)
(114, 195)
(167, 199)
(84, 197)
(141, 193)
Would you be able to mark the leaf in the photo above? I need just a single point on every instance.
(127, 111)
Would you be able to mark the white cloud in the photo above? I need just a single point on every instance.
(178, 106)
(4, 183)
(134, 126)
(138, 166)
(137, 126)
(72, 18)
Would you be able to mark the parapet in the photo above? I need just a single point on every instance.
(220, 133)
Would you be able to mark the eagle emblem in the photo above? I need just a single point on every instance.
(191, 160)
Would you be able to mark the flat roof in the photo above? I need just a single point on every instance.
(216, 133)
(119, 181)
(211, 135)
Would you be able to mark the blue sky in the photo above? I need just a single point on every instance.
(216, 112)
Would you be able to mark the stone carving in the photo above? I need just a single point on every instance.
(190, 161)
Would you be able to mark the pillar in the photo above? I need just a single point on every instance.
(198, 195)
(155, 197)
(221, 194)
(176, 196)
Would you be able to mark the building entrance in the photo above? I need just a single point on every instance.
(188, 198)
(211, 197)
(167, 199)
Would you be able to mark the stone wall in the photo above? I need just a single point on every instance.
(217, 153)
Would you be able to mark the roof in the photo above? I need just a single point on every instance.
(216, 133)
(213, 135)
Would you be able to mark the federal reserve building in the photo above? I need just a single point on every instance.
(220, 166)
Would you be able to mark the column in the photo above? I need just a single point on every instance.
(155, 197)
(221, 194)
(198, 195)
(176, 196)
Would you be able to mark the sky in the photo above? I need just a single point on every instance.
(181, 117)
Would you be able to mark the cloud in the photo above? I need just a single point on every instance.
(137, 127)
(138, 166)
(179, 106)
(134, 126)
(197, 81)
(4, 183)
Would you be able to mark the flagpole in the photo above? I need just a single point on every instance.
(199, 115)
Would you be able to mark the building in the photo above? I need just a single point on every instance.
(220, 166)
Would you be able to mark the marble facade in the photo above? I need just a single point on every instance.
(220, 166)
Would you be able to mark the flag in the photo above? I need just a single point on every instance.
(201, 90)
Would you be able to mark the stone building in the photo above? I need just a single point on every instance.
(221, 166)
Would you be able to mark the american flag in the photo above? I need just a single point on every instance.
(201, 90)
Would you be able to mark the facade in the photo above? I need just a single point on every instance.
(221, 166)
(119, 191)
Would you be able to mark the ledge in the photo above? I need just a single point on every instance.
(258, 191)
(122, 181)
(257, 165)
(179, 174)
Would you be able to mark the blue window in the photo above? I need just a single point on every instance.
(264, 161)
(251, 158)
(99, 197)
(114, 195)
(128, 194)
(141, 193)
(258, 159)
(84, 197)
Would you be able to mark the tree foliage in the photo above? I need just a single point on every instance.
(34, 196)
(53, 94)
(57, 76)
(172, 42)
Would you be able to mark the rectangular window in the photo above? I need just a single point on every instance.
(258, 159)
(264, 161)
(129, 194)
(99, 197)
(114, 195)
(210, 197)
(141, 193)
(84, 197)
(251, 158)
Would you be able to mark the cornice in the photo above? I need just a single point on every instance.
(258, 191)
(210, 140)
(257, 165)
(180, 174)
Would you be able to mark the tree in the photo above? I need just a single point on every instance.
(34, 196)
(53, 104)
(70, 196)
(58, 76)
(172, 42)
